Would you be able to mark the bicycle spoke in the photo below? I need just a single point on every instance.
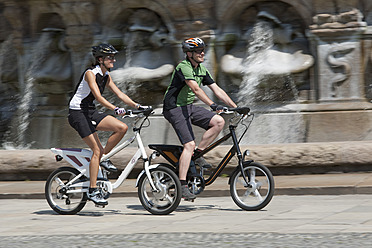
(59, 181)
(242, 182)
(156, 177)
(259, 184)
(253, 174)
(257, 194)
(169, 198)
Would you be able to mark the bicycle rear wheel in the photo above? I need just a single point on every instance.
(168, 195)
(56, 192)
(260, 190)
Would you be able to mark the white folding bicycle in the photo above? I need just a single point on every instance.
(159, 188)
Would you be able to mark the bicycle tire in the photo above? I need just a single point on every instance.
(260, 190)
(58, 200)
(167, 199)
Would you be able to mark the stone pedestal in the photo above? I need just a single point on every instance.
(336, 41)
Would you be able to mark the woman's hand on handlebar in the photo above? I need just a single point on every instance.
(120, 111)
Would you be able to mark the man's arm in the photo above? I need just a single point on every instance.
(221, 94)
(199, 92)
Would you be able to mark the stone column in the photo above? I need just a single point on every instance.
(336, 40)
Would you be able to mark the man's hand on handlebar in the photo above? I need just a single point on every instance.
(239, 110)
(140, 107)
(218, 108)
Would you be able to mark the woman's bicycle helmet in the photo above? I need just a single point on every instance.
(103, 50)
(191, 44)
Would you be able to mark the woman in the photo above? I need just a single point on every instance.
(85, 118)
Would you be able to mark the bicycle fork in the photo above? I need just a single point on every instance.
(239, 154)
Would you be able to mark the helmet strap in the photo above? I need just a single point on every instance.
(103, 64)
(192, 58)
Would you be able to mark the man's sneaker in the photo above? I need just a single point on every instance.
(202, 163)
(108, 165)
(97, 198)
(186, 194)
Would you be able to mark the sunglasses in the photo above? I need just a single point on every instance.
(199, 51)
(111, 57)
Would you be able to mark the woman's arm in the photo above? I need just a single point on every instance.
(90, 78)
(126, 99)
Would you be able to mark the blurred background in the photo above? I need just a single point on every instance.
(303, 66)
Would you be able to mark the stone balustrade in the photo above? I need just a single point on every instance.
(295, 158)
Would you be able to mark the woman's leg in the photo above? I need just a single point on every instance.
(95, 145)
(110, 123)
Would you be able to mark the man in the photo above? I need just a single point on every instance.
(179, 110)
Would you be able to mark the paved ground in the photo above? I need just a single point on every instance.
(288, 221)
(327, 210)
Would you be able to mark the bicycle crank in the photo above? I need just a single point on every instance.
(196, 184)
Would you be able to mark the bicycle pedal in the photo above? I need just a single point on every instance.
(99, 206)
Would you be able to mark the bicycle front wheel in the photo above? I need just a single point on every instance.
(259, 191)
(56, 192)
(167, 196)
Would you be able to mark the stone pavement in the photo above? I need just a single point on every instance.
(288, 221)
(313, 184)
(324, 210)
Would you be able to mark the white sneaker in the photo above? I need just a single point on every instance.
(97, 198)
(108, 165)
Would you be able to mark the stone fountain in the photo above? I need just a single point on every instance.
(304, 66)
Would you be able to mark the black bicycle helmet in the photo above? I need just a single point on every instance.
(191, 44)
(103, 50)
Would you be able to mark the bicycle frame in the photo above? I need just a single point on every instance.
(235, 149)
(230, 154)
(141, 153)
(80, 159)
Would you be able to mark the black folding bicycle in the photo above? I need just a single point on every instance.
(251, 183)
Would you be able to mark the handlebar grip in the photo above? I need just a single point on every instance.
(146, 112)
(241, 110)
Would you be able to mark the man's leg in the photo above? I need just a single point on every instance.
(184, 163)
(181, 123)
(216, 125)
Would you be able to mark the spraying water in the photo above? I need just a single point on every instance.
(254, 63)
(16, 137)
(267, 84)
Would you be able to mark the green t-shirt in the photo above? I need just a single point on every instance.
(178, 92)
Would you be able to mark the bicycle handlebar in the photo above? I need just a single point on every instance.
(239, 110)
(145, 112)
(148, 111)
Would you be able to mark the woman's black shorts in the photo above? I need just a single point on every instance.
(85, 121)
